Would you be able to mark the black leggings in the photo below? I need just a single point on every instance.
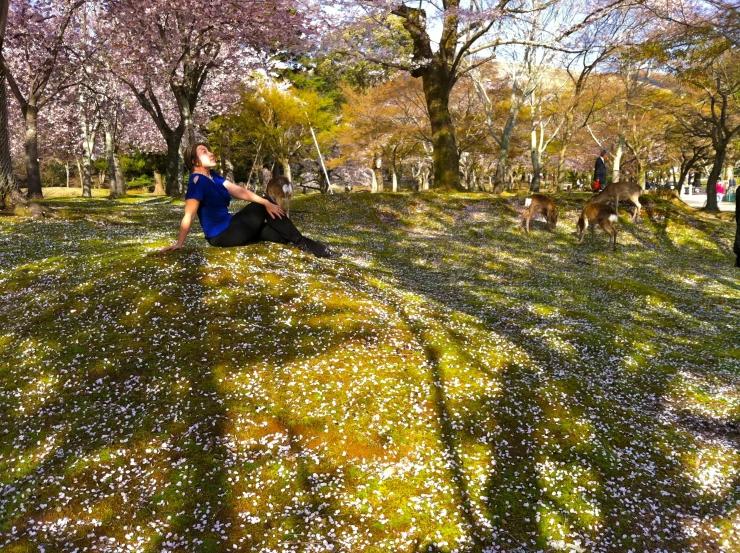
(253, 224)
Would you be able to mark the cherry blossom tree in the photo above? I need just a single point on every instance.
(166, 53)
(39, 64)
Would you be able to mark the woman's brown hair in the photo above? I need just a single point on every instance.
(194, 153)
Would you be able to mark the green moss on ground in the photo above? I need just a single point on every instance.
(451, 384)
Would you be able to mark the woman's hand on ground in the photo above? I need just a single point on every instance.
(274, 210)
(168, 248)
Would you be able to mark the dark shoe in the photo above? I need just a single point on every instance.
(333, 254)
(317, 248)
(304, 247)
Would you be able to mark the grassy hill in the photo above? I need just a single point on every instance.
(451, 384)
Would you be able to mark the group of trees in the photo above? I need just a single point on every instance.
(457, 94)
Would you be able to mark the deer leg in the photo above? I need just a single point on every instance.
(638, 207)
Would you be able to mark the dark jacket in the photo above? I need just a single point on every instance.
(600, 171)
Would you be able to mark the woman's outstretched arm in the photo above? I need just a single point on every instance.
(191, 208)
(244, 194)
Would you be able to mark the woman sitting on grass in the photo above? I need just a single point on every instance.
(209, 195)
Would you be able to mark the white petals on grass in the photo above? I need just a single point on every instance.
(451, 384)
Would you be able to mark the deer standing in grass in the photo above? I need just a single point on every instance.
(539, 204)
(602, 215)
(619, 191)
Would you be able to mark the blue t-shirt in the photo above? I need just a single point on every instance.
(213, 211)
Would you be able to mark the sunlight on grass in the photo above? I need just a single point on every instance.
(451, 384)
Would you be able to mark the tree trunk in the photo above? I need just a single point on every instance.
(446, 157)
(373, 182)
(175, 168)
(287, 171)
(378, 183)
(641, 174)
(714, 175)
(158, 185)
(567, 135)
(79, 171)
(66, 169)
(120, 180)
(506, 134)
(394, 171)
(88, 144)
(536, 164)
(112, 186)
(729, 169)
(9, 192)
(86, 171)
(33, 172)
(618, 158)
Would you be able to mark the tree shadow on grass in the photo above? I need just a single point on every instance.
(618, 434)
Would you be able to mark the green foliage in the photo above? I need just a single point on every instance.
(143, 164)
(274, 123)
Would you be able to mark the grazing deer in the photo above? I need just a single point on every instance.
(539, 204)
(620, 191)
(598, 214)
(280, 191)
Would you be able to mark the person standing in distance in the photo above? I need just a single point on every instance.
(600, 172)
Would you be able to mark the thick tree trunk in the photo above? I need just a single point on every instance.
(446, 157)
(33, 172)
(617, 160)
(175, 168)
(9, 192)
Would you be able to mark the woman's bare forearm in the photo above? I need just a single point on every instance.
(185, 224)
(252, 197)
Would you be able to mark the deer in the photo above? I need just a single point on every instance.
(602, 215)
(279, 191)
(619, 191)
(539, 204)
